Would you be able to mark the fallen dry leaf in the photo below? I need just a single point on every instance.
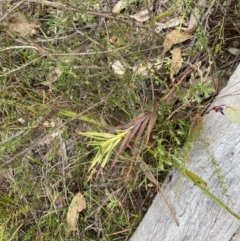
(141, 16)
(142, 69)
(176, 62)
(234, 51)
(174, 37)
(118, 67)
(77, 204)
(20, 23)
(120, 5)
(169, 24)
(144, 14)
(195, 17)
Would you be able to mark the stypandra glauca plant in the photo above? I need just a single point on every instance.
(105, 144)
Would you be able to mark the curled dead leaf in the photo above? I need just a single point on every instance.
(141, 16)
(174, 22)
(234, 51)
(144, 14)
(118, 67)
(77, 204)
(176, 62)
(174, 37)
(120, 5)
(196, 14)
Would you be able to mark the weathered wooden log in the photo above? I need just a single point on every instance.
(200, 218)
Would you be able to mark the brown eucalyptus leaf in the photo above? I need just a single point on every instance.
(77, 204)
(141, 16)
(174, 37)
(176, 62)
(174, 22)
(120, 5)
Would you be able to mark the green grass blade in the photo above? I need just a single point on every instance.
(213, 197)
(107, 156)
(85, 118)
(96, 159)
(97, 135)
(193, 176)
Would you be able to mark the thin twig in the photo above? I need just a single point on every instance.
(92, 53)
(47, 3)
(64, 157)
(18, 47)
(119, 18)
(20, 67)
(166, 97)
(89, 38)
(11, 10)
(152, 179)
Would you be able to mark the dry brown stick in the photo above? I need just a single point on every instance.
(118, 18)
(20, 67)
(64, 158)
(152, 179)
(40, 49)
(165, 97)
(11, 10)
(47, 3)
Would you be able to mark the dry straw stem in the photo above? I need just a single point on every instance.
(20, 67)
(152, 179)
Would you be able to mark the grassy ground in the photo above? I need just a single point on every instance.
(67, 68)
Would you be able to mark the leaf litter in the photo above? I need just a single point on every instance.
(174, 37)
(76, 206)
(176, 62)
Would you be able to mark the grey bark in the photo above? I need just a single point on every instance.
(200, 218)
